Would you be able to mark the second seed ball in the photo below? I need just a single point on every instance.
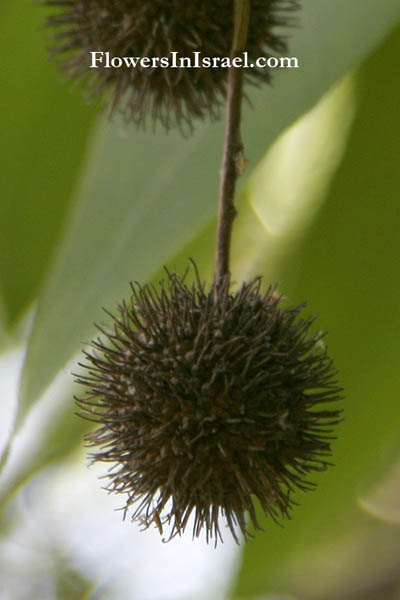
(139, 28)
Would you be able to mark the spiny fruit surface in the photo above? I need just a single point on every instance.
(140, 28)
(207, 400)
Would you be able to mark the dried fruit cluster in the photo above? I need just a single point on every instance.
(155, 28)
(207, 400)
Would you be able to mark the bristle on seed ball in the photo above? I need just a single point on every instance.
(156, 28)
(206, 400)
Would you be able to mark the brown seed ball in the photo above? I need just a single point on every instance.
(139, 28)
(207, 400)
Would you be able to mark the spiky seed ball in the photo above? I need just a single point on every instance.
(206, 400)
(143, 28)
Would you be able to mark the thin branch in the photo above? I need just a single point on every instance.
(233, 147)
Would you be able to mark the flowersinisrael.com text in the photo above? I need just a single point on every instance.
(197, 61)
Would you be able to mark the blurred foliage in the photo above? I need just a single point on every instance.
(146, 200)
(347, 268)
(44, 127)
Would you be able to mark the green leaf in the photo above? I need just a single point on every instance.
(275, 210)
(44, 128)
(348, 271)
(147, 195)
(382, 499)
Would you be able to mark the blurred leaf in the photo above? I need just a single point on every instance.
(43, 131)
(70, 582)
(348, 271)
(278, 207)
(50, 433)
(146, 195)
(3, 327)
(274, 210)
(382, 500)
(10, 369)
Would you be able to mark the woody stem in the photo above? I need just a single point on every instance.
(233, 147)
